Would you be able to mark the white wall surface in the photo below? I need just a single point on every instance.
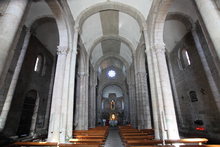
(91, 30)
(174, 31)
(129, 28)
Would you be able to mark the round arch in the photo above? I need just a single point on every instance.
(112, 83)
(110, 6)
(185, 19)
(117, 89)
(64, 30)
(158, 21)
(111, 56)
(41, 20)
(112, 37)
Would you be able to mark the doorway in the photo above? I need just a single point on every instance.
(27, 113)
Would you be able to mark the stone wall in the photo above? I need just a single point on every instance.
(192, 112)
(31, 80)
(7, 81)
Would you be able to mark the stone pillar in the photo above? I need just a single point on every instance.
(154, 93)
(211, 18)
(83, 102)
(132, 104)
(92, 99)
(92, 111)
(212, 82)
(9, 24)
(66, 125)
(56, 105)
(168, 117)
(144, 103)
(72, 76)
(152, 64)
(8, 100)
(138, 103)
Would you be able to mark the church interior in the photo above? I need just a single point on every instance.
(109, 66)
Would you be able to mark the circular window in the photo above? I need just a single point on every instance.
(111, 73)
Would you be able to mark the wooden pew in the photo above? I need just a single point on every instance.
(92, 136)
(86, 140)
(134, 134)
(78, 145)
(34, 144)
(138, 137)
(129, 143)
(53, 144)
(89, 137)
(187, 141)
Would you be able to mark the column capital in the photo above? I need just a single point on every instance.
(158, 48)
(141, 73)
(62, 50)
(76, 29)
(144, 27)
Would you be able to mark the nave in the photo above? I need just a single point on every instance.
(80, 64)
(121, 136)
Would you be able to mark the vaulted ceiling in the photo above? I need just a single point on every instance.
(108, 32)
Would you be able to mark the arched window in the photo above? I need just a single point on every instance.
(184, 58)
(38, 63)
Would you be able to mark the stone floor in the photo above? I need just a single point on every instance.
(113, 139)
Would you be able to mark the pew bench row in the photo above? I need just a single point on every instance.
(133, 137)
(94, 137)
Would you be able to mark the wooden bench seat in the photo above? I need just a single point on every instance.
(90, 133)
(79, 145)
(86, 140)
(35, 144)
(134, 134)
(129, 143)
(138, 137)
(187, 140)
(89, 137)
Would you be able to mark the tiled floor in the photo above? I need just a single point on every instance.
(113, 139)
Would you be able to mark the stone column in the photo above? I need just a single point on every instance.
(132, 103)
(212, 82)
(66, 126)
(138, 103)
(83, 102)
(56, 105)
(64, 103)
(211, 18)
(154, 93)
(92, 99)
(10, 94)
(72, 76)
(152, 64)
(92, 111)
(144, 103)
(9, 24)
(168, 117)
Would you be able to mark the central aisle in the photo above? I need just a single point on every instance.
(113, 139)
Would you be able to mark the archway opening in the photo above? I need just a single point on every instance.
(28, 108)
